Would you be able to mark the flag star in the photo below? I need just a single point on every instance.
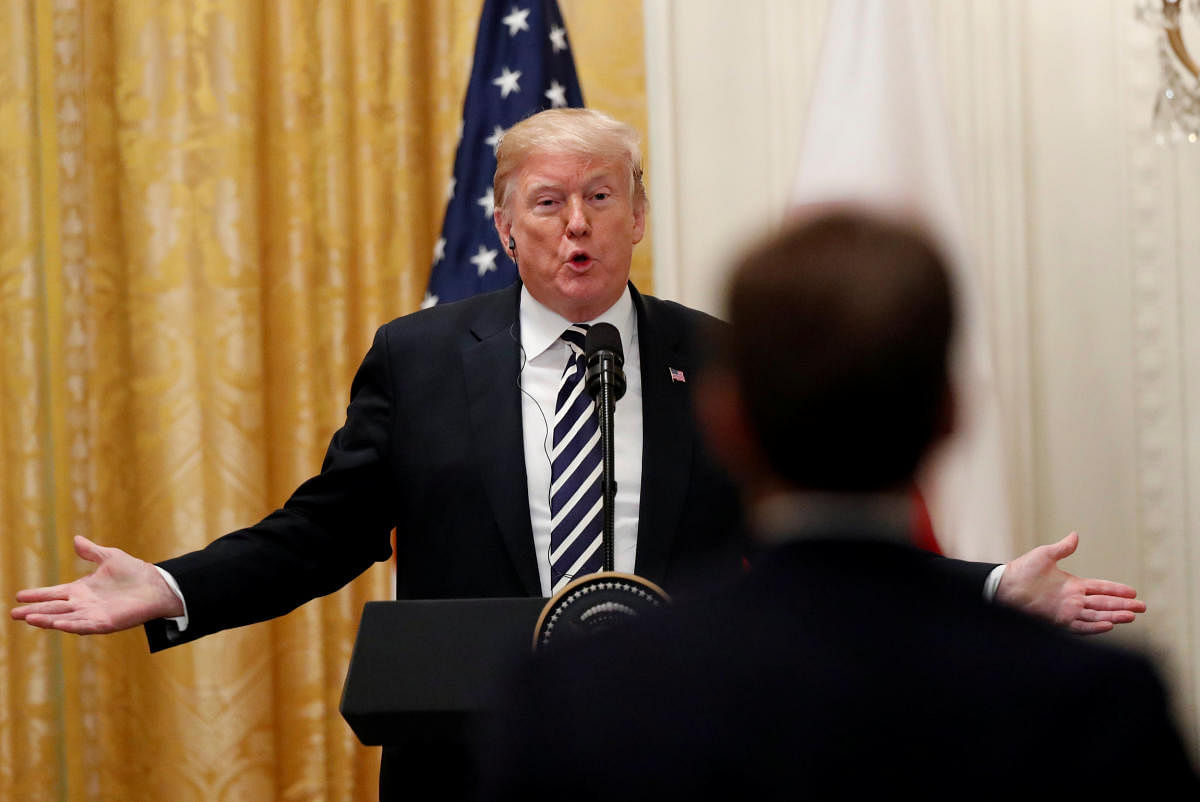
(430, 300)
(557, 94)
(558, 38)
(485, 260)
(494, 139)
(507, 82)
(516, 21)
(450, 188)
(439, 250)
(488, 204)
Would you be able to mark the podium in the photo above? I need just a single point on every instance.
(425, 670)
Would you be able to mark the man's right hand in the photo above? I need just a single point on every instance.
(122, 592)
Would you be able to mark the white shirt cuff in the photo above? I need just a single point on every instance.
(992, 583)
(181, 621)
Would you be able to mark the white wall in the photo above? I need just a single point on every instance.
(1085, 235)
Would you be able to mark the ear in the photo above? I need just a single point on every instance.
(639, 222)
(504, 229)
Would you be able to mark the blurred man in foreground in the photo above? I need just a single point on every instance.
(846, 664)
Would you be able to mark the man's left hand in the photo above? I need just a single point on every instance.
(1035, 584)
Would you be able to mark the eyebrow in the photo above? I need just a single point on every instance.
(542, 186)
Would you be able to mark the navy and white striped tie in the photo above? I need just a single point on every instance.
(576, 519)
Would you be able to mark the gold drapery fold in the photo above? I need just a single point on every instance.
(206, 208)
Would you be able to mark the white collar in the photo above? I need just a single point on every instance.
(541, 327)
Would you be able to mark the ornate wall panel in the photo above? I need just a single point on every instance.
(1158, 192)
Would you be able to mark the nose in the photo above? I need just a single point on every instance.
(577, 219)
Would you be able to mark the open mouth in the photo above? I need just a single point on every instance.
(580, 259)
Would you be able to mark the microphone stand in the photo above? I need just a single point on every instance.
(606, 383)
(606, 406)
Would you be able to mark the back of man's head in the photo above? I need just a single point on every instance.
(841, 326)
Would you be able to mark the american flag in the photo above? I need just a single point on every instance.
(522, 65)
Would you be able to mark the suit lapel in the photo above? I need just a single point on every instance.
(666, 439)
(491, 361)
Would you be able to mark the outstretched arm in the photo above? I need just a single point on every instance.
(1035, 584)
(122, 592)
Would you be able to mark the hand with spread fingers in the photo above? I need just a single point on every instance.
(122, 592)
(1035, 584)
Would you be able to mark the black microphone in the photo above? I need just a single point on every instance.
(605, 360)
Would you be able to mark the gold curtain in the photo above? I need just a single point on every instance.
(206, 208)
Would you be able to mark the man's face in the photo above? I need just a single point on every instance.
(574, 223)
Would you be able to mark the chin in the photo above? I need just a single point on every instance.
(590, 299)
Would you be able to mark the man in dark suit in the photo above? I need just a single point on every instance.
(846, 664)
(448, 437)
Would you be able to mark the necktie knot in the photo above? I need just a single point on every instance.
(575, 336)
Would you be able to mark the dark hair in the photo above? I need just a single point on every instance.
(841, 326)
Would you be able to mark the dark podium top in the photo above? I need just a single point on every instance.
(424, 670)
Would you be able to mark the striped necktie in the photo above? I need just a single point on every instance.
(576, 519)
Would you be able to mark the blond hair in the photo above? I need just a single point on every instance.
(585, 132)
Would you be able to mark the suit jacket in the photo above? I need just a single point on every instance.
(432, 445)
(838, 669)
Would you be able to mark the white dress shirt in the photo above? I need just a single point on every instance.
(543, 358)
